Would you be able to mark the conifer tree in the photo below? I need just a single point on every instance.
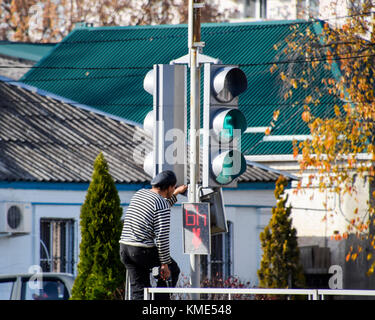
(100, 271)
(280, 266)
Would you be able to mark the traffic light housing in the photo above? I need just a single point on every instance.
(223, 125)
(166, 123)
(214, 197)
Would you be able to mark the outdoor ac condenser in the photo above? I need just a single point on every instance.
(15, 217)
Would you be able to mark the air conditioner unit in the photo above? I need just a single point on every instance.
(15, 217)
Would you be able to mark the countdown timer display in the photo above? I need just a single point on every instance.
(196, 228)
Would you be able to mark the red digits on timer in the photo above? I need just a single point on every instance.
(192, 219)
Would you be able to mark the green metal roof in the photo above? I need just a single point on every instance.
(25, 50)
(105, 67)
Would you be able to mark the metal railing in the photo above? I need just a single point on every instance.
(344, 292)
(312, 294)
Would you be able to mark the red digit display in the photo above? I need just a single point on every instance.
(192, 218)
(189, 218)
(196, 225)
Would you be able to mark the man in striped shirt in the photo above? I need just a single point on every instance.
(144, 241)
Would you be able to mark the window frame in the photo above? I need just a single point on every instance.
(57, 245)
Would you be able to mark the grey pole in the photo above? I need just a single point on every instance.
(193, 44)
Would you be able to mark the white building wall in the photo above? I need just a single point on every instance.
(333, 10)
(323, 213)
(249, 210)
(330, 10)
(317, 224)
(246, 244)
(281, 9)
(20, 252)
(310, 215)
(243, 208)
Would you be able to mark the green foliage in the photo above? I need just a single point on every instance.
(280, 266)
(100, 271)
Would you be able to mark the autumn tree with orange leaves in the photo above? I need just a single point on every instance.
(338, 58)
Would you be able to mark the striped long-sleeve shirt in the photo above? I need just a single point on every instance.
(147, 222)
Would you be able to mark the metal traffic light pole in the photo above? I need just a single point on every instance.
(194, 38)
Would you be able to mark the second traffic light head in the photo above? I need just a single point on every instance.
(166, 123)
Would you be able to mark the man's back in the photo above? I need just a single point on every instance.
(147, 222)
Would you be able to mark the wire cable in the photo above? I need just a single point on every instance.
(296, 61)
(291, 61)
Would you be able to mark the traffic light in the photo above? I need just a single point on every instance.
(223, 125)
(166, 123)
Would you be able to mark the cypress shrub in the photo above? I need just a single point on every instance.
(100, 271)
(280, 266)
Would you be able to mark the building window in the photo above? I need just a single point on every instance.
(256, 9)
(250, 8)
(263, 9)
(220, 263)
(57, 245)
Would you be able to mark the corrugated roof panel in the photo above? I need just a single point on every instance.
(38, 145)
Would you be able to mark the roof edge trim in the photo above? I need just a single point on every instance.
(261, 166)
(63, 186)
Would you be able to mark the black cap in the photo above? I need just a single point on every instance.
(164, 178)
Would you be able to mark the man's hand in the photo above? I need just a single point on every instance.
(164, 271)
(180, 189)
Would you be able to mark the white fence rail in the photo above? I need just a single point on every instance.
(312, 294)
(344, 292)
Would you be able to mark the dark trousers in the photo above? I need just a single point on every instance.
(139, 261)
